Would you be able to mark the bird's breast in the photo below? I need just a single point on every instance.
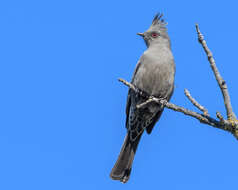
(155, 75)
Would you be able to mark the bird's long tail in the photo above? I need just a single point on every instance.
(122, 168)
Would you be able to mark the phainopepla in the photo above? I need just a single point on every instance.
(154, 75)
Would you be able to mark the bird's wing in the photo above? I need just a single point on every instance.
(150, 127)
(128, 102)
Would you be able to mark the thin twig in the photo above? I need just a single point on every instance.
(195, 103)
(221, 82)
(127, 84)
(144, 104)
(151, 99)
(219, 116)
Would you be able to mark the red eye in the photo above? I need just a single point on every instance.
(154, 35)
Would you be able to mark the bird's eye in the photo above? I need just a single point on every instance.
(154, 35)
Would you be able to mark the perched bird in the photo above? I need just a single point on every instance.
(154, 75)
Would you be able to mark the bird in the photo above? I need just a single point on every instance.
(153, 75)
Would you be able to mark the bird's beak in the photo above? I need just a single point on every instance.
(141, 34)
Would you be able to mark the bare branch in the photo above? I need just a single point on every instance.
(195, 103)
(221, 82)
(227, 126)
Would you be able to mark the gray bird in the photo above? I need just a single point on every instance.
(153, 75)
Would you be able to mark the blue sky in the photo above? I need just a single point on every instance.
(62, 111)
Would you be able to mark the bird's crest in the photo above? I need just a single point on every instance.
(159, 21)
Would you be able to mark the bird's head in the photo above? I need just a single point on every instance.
(157, 32)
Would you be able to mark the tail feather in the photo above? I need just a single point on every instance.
(122, 168)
